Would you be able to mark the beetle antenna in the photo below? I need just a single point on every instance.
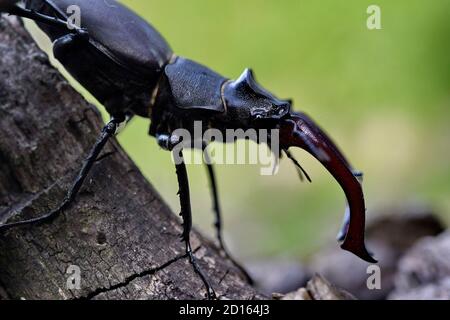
(301, 171)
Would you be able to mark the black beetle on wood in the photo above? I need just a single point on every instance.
(129, 67)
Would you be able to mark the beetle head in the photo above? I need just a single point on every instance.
(248, 100)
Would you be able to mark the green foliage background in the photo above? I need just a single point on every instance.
(382, 94)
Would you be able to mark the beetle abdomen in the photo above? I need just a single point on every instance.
(124, 34)
(123, 59)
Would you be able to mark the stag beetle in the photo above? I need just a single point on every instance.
(129, 67)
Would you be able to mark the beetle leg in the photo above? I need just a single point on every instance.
(69, 43)
(186, 215)
(218, 214)
(108, 131)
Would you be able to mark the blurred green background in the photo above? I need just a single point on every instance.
(383, 95)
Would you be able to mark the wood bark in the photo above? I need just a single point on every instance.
(119, 232)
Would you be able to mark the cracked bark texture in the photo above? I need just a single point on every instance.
(119, 232)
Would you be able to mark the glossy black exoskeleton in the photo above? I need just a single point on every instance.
(128, 66)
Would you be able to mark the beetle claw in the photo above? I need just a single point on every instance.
(298, 130)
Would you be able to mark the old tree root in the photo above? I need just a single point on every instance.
(119, 233)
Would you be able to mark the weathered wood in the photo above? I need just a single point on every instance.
(318, 288)
(119, 231)
(424, 271)
(389, 235)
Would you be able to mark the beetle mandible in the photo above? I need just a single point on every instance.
(129, 67)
